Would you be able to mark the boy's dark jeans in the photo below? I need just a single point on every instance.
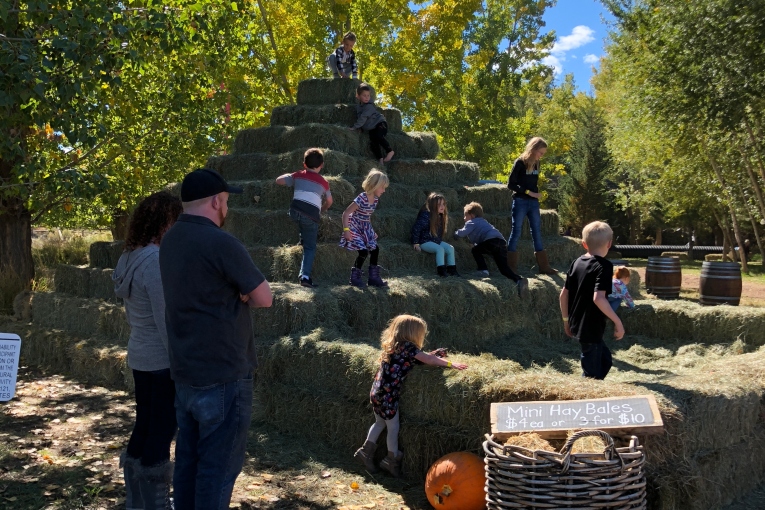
(380, 145)
(155, 423)
(498, 250)
(596, 359)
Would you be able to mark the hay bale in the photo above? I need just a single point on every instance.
(328, 91)
(676, 254)
(80, 317)
(713, 257)
(428, 172)
(269, 195)
(530, 441)
(270, 166)
(73, 280)
(105, 254)
(613, 254)
(453, 407)
(340, 114)
(691, 322)
(492, 197)
(280, 139)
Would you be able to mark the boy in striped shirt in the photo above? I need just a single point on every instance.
(311, 198)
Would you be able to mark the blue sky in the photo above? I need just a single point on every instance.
(580, 37)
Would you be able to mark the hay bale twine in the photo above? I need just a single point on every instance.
(663, 277)
(720, 283)
(328, 91)
(105, 254)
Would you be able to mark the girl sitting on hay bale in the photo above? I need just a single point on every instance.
(427, 233)
(401, 343)
(358, 233)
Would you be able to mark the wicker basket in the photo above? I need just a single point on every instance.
(517, 477)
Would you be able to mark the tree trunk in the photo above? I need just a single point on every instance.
(16, 240)
(120, 224)
(658, 236)
(755, 184)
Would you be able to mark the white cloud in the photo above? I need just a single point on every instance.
(555, 63)
(580, 35)
(591, 59)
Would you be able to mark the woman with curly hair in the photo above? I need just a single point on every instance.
(146, 461)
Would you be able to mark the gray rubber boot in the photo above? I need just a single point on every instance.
(392, 464)
(155, 483)
(133, 500)
(366, 455)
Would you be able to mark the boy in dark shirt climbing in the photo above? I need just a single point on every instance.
(583, 301)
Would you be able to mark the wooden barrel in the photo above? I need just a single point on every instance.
(720, 283)
(663, 277)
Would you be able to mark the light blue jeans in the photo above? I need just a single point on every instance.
(443, 250)
(522, 208)
(309, 232)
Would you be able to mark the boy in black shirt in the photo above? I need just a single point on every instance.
(584, 304)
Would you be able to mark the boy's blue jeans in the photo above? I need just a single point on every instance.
(309, 232)
(522, 208)
(212, 435)
(442, 251)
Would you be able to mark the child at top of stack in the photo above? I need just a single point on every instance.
(583, 301)
(620, 292)
(428, 230)
(370, 120)
(487, 239)
(342, 62)
(306, 206)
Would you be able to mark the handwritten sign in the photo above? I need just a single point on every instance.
(10, 348)
(616, 415)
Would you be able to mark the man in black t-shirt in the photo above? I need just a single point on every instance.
(210, 283)
(584, 304)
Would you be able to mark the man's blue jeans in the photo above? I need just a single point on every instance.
(522, 208)
(212, 436)
(309, 232)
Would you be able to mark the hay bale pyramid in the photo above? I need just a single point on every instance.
(318, 348)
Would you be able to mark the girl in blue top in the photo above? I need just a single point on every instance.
(428, 231)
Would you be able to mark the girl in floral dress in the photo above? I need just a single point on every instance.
(358, 234)
(401, 343)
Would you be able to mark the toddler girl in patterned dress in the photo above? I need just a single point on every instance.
(358, 233)
(401, 343)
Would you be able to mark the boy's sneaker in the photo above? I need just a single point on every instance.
(482, 273)
(307, 282)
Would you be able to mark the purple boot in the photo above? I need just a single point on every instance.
(357, 278)
(374, 277)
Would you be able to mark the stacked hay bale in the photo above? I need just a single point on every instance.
(318, 348)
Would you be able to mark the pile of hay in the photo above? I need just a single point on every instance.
(444, 411)
(340, 114)
(280, 139)
(328, 91)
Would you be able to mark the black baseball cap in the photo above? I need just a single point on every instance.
(203, 183)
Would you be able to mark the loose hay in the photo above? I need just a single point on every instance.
(530, 440)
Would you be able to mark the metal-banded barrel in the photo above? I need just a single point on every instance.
(720, 283)
(663, 277)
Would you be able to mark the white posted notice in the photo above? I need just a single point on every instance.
(10, 349)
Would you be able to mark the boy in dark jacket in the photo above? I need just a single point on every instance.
(487, 239)
(583, 301)
(370, 120)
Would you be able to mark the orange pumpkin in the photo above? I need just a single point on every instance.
(456, 482)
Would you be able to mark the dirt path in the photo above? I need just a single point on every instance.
(60, 443)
